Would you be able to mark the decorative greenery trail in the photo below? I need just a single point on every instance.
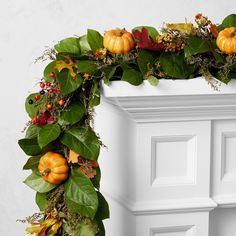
(62, 146)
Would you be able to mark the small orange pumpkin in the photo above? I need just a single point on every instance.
(53, 168)
(118, 41)
(226, 40)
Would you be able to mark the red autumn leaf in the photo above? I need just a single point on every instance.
(44, 118)
(146, 42)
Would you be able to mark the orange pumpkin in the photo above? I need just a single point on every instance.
(226, 40)
(118, 41)
(53, 168)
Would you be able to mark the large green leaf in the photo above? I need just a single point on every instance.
(80, 194)
(31, 109)
(132, 76)
(229, 21)
(32, 163)
(84, 46)
(48, 69)
(195, 46)
(175, 66)
(83, 228)
(101, 229)
(108, 73)
(36, 182)
(152, 32)
(97, 178)
(86, 66)
(83, 141)
(32, 131)
(95, 93)
(30, 146)
(48, 134)
(37, 106)
(73, 114)
(68, 45)
(41, 200)
(103, 208)
(145, 59)
(95, 39)
(67, 83)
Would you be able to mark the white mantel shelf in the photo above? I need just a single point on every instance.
(171, 100)
(171, 155)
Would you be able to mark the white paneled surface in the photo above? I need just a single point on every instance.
(224, 162)
(181, 165)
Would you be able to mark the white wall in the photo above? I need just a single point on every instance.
(26, 27)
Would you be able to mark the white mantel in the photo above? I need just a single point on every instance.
(171, 155)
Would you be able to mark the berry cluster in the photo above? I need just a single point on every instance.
(171, 42)
(49, 92)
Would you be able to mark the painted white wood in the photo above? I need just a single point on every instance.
(177, 101)
(170, 157)
(224, 163)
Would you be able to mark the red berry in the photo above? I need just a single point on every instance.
(58, 90)
(34, 120)
(49, 106)
(50, 90)
(42, 85)
(37, 97)
(48, 84)
(52, 74)
(61, 102)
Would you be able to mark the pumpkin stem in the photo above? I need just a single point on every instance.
(232, 34)
(46, 172)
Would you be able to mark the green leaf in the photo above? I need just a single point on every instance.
(30, 146)
(82, 228)
(31, 109)
(103, 208)
(82, 140)
(36, 182)
(84, 46)
(69, 45)
(153, 80)
(48, 69)
(152, 32)
(48, 134)
(95, 39)
(229, 21)
(95, 92)
(101, 229)
(145, 60)
(32, 163)
(67, 83)
(41, 200)
(80, 194)
(108, 73)
(97, 178)
(195, 46)
(132, 76)
(86, 66)
(175, 66)
(37, 106)
(73, 114)
(32, 131)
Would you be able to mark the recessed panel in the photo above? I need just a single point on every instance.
(188, 230)
(171, 234)
(173, 159)
(229, 156)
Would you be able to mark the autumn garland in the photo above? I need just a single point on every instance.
(60, 139)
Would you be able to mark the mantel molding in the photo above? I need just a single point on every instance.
(173, 100)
